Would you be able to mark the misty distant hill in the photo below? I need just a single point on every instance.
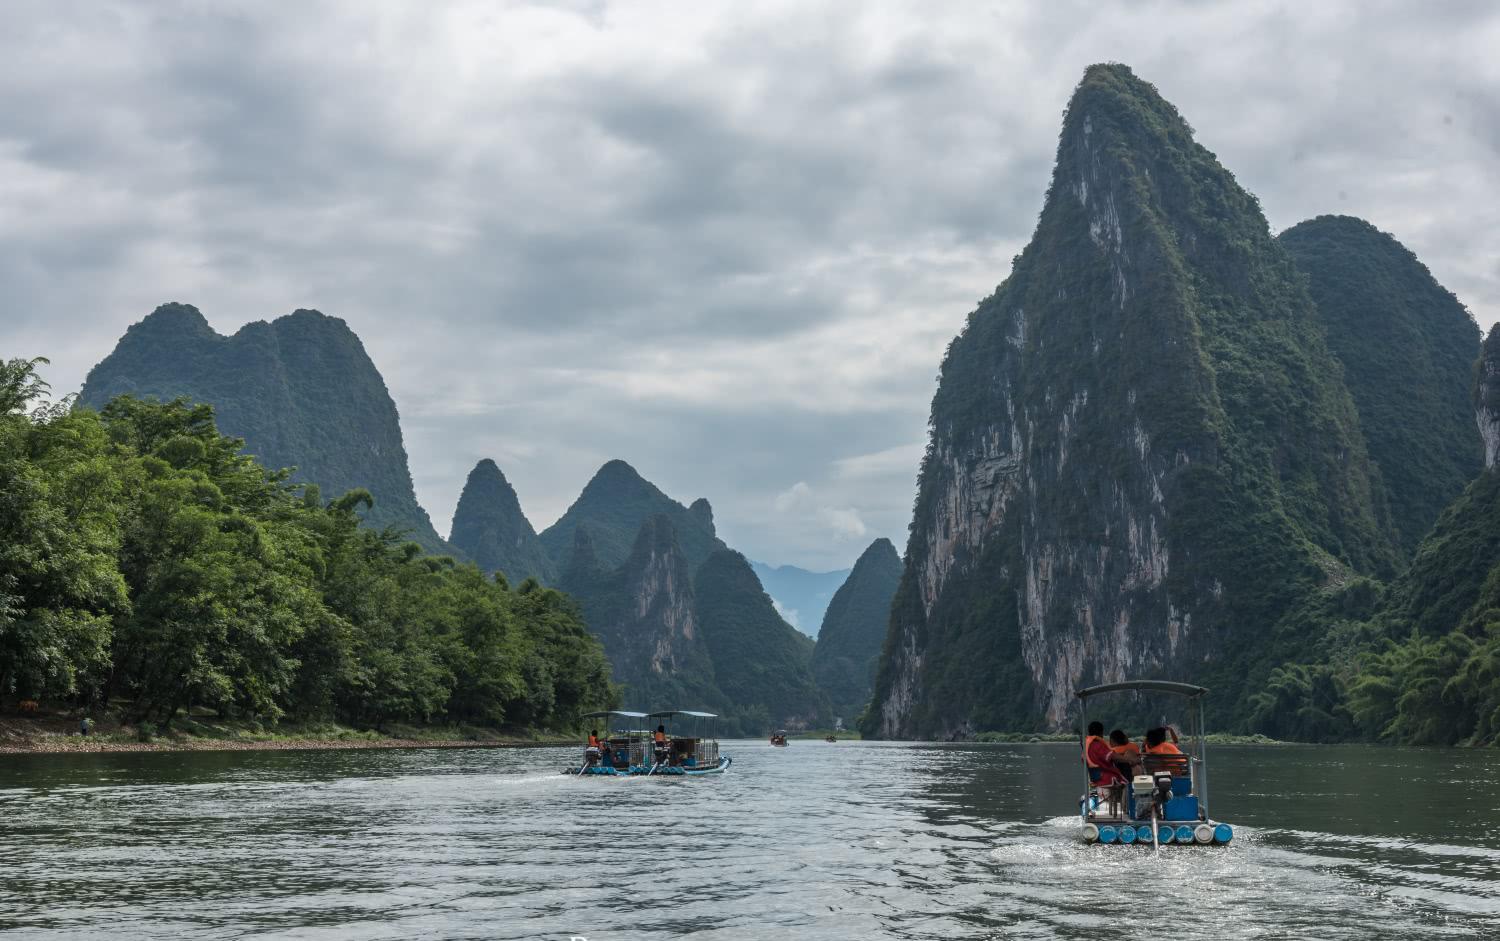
(801, 596)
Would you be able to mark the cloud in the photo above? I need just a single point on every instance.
(796, 497)
(725, 242)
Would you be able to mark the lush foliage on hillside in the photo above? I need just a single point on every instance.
(761, 663)
(1407, 348)
(489, 528)
(144, 559)
(614, 506)
(1418, 662)
(853, 630)
(1152, 437)
(299, 390)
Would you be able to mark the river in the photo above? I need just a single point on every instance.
(848, 841)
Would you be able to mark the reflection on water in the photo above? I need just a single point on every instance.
(850, 840)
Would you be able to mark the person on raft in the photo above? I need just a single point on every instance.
(591, 752)
(1157, 744)
(1126, 754)
(1100, 761)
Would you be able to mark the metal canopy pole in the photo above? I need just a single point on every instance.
(1203, 759)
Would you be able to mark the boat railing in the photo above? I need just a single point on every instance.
(706, 753)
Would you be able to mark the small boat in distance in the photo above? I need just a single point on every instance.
(1167, 801)
(779, 738)
(682, 744)
(831, 738)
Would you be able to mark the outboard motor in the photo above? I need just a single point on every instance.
(1163, 788)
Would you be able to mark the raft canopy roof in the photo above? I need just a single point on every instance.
(613, 712)
(1156, 686)
(669, 713)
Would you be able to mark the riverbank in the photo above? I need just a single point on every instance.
(59, 735)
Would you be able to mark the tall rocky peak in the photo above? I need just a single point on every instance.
(300, 390)
(490, 528)
(614, 506)
(1407, 348)
(644, 612)
(1487, 396)
(854, 628)
(1141, 457)
(703, 513)
(762, 664)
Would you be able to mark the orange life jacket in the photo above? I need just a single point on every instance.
(1128, 752)
(1165, 748)
(593, 741)
(660, 737)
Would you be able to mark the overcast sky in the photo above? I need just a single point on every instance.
(726, 242)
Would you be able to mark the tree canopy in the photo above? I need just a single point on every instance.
(145, 560)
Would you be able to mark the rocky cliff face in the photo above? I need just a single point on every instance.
(1141, 455)
(300, 390)
(1487, 396)
(1407, 349)
(854, 629)
(490, 528)
(645, 613)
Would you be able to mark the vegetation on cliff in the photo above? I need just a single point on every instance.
(1407, 349)
(300, 391)
(853, 631)
(1142, 459)
(613, 507)
(761, 663)
(489, 528)
(145, 559)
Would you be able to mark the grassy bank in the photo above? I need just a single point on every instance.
(59, 733)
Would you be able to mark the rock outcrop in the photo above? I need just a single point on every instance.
(1141, 455)
(684, 620)
(645, 613)
(1407, 347)
(300, 390)
(1487, 397)
(853, 630)
(490, 528)
(614, 505)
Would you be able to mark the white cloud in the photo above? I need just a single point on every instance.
(796, 497)
(726, 242)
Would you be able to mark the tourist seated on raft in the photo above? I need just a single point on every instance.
(1100, 760)
(1126, 754)
(1157, 744)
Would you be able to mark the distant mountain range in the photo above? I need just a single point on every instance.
(801, 596)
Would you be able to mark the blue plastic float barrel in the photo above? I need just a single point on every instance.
(1127, 834)
(1184, 834)
(1163, 834)
(1223, 833)
(1108, 834)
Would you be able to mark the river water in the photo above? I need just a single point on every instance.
(848, 840)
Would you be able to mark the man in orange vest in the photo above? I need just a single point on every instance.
(1157, 744)
(591, 753)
